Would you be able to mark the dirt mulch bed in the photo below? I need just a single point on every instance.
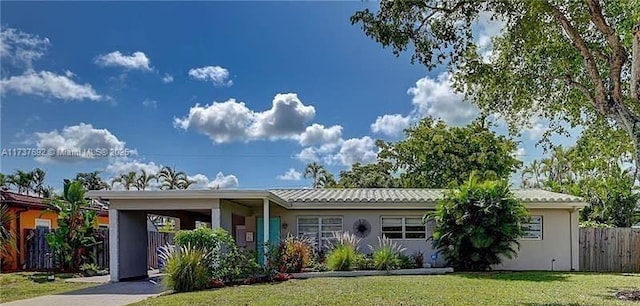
(629, 295)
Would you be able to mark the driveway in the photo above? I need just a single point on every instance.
(113, 294)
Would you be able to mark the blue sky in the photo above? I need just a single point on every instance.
(238, 95)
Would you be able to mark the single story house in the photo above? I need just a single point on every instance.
(28, 213)
(551, 242)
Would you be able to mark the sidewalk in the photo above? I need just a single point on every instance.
(111, 294)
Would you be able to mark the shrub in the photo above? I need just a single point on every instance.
(418, 259)
(187, 267)
(364, 262)
(477, 224)
(387, 255)
(296, 253)
(406, 262)
(89, 269)
(346, 239)
(342, 258)
(203, 237)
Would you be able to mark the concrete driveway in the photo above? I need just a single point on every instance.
(113, 294)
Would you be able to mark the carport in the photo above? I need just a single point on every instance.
(240, 212)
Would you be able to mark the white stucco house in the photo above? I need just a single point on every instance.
(550, 244)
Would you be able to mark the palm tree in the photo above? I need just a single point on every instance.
(4, 181)
(185, 183)
(314, 171)
(534, 171)
(22, 180)
(37, 179)
(144, 179)
(172, 179)
(7, 237)
(327, 180)
(126, 180)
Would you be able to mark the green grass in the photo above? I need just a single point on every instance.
(24, 285)
(517, 288)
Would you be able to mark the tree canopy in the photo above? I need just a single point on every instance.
(435, 155)
(575, 61)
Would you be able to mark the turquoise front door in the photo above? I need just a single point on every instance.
(274, 235)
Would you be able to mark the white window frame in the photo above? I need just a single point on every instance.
(404, 227)
(319, 233)
(541, 237)
(47, 221)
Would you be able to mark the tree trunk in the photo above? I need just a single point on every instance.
(634, 132)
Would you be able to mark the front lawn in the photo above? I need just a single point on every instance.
(517, 288)
(24, 285)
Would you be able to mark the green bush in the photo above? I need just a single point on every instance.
(406, 262)
(364, 262)
(89, 269)
(342, 258)
(387, 255)
(203, 237)
(187, 267)
(296, 253)
(478, 224)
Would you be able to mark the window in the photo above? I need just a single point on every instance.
(319, 228)
(43, 223)
(403, 228)
(103, 226)
(533, 229)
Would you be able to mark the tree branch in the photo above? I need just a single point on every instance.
(584, 89)
(619, 55)
(592, 68)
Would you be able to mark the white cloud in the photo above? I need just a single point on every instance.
(22, 48)
(535, 128)
(438, 99)
(48, 84)
(135, 61)
(290, 175)
(356, 150)
(391, 125)
(167, 78)
(317, 134)
(217, 75)
(124, 165)
(520, 152)
(234, 121)
(486, 29)
(220, 181)
(308, 155)
(80, 142)
(150, 103)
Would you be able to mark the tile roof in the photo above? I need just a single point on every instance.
(14, 198)
(401, 195)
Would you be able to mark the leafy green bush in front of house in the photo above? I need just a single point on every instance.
(344, 252)
(406, 262)
(478, 224)
(228, 263)
(187, 267)
(89, 269)
(364, 262)
(387, 255)
(296, 253)
(203, 237)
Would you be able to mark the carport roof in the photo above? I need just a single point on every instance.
(344, 198)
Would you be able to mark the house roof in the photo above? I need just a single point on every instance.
(343, 198)
(22, 200)
(17, 199)
(402, 195)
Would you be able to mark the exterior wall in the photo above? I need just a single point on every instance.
(131, 244)
(559, 241)
(374, 217)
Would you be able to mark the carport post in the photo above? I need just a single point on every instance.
(114, 246)
(265, 227)
(215, 214)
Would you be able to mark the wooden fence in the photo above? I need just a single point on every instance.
(156, 240)
(610, 249)
(38, 254)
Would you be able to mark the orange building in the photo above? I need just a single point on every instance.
(30, 212)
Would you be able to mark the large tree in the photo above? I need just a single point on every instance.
(564, 60)
(315, 171)
(435, 155)
(92, 181)
(171, 178)
(377, 175)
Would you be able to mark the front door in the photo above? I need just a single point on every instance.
(274, 235)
